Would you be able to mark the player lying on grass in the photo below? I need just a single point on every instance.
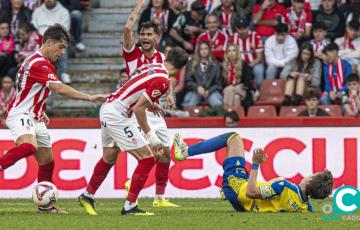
(244, 192)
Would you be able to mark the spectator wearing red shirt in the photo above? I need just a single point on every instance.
(266, 16)
(215, 37)
(251, 48)
(299, 20)
(7, 93)
(227, 14)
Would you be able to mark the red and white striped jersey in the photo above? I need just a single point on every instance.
(33, 79)
(151, 80)
(135, 58)
(218, 43)
(248, 46)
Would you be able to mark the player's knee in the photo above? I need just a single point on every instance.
(110, 158)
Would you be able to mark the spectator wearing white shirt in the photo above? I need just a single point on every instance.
(49, 13)
(349, 45)
(280, 49)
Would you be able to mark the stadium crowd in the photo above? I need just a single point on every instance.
(312, 46)
(237, 48)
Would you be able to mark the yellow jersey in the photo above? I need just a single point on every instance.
(279, 195)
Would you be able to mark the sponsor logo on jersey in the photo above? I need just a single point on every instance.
(51, 76)
(155, 93)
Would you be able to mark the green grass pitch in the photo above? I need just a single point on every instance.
(193, 214)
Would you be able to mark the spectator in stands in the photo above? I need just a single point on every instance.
(17, 15)
(336, 71)
(244, 8)
(354, 12)
(299, 20)
(332, 18)
(226, 12)
(30, 42)
(349, 45)
(215, 37)
(49, 13)
(7, 93)
(188, 26)
(178, 6)
(312, 105)
(6, 48)
(231, 119)
(266, 16)
(352, 101)
(203, 79)
(302, 73)
(280, 49)
(251, 48)
(73, 7)
(237, 76)
(320, 40)
(160, 12)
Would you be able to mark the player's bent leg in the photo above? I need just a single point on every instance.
(101, 170)
(26, 146)
(145, 163)
(182, 151)
(235, 146)
(162, 177)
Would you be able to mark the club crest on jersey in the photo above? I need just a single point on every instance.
(134, 141)
(155, 93)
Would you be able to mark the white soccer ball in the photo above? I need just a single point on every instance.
(45, 194)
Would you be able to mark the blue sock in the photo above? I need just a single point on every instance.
(209, 145)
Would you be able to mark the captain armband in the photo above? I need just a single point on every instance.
(267, 191)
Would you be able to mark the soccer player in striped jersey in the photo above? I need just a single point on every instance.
(26, 116)
(135, 57)
(243, 191)
(145, 86)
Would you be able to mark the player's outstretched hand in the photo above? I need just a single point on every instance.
(259, 156)
(99, 97)
(140, 3)
(157, 110)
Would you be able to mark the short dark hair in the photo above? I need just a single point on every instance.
(354, 24)
(330, 47)
(281, 28)
(312, 94)
(320, 26)
(232, 114)
(177, 57)
(56, 32)
(320, 186)
(352, 77)
(149, 25)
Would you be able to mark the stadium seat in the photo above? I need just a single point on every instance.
(238, 109)
(291, 111)
(333, 110)
(262, 111)
(271, 92)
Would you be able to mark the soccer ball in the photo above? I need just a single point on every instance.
(45, 194)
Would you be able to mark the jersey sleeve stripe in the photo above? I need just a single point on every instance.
(48, 82)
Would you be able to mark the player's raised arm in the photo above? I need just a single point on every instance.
(252, 190)
(68, 91)
(129, 39)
